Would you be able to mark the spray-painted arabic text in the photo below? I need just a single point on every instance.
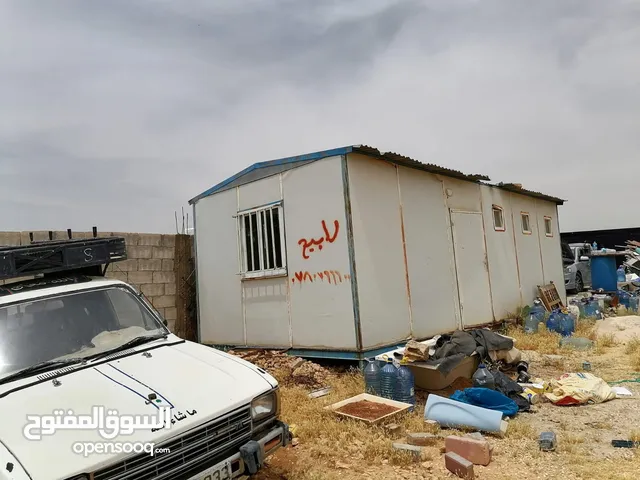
(331, 276)
(309, 246)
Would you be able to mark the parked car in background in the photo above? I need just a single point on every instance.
(577, 266)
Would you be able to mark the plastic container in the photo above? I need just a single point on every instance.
(538, 310)
(372, 377)
(405, 386)
(388, 379)
(531, 323)
(566, 324)
(547, 441)
(634, 304)
(553, 322)
(624, 298)
(603, 273)
(483, 378)
(622, 275)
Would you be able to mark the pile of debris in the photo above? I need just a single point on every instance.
(286, 368)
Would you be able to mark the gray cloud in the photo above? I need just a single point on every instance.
(115, 113)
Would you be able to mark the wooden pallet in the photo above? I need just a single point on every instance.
(549, 296)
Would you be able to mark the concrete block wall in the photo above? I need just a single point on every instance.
(149, 267)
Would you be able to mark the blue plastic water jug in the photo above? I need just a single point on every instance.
(622, 275)
(538, 310)
(624, 297)
(553, 322)
(405, 386)
(388, 379)
(566, 324)
(372, 377)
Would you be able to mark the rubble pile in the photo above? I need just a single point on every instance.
(287, 369)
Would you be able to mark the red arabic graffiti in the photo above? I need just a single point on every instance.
(333, 277)
(309, 246)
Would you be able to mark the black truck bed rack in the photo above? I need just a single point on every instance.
(81, 256)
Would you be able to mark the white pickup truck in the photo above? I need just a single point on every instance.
(73, 343)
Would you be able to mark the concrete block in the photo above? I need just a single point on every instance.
(169, 241)
(459, 466)
(151, 264)
(170, 314)
(164, 301)
(415, 451)
(10, 238)
(140, 278)
(162, 252)
(130, 265)
(422, 439)
(167, 265)
(152, 289)
(164, 277)
(169, 288)
(139, 252)
(122, 276)
(160, 312)
(476, 451)
(152, 239)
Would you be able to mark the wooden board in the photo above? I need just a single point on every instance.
(549, 296)
(401, 406)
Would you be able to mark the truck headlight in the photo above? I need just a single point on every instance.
(265, 406)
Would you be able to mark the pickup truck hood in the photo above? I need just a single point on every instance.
(198, 382)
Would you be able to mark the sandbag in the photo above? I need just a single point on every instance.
(579, 389)
(486, 398)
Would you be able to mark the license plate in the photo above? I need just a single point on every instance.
(221, 471)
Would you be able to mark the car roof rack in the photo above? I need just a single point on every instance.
(73, 256)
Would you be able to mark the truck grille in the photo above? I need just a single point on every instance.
(194, 448)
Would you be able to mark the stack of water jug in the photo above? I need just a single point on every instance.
(561, 321)
(536, 315)
(394, 381)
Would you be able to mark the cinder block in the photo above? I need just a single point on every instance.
(140, 278)
(160, 312)
(170, 313)
(162, 252)
(476, 451)
(164, 301)
(167, 265)
(164, 277)
(459, 466)
(151, 239)
(169, 288)
(139, 252)
(151, 265)
(9, 238)
(422, 439)
(169, 241)
(130, 265)
(152, 289)
(122, 276)
(415, 451)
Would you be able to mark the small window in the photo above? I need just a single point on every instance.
(548, 230)
(526, 224)
(498, 218)
(262, 248)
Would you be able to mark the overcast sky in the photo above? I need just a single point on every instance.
(115, 113)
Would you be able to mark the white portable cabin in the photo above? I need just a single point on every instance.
(347, 252)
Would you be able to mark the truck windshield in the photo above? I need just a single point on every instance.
(71, 326)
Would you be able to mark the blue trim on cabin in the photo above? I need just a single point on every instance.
(320, 354)
(270, 163)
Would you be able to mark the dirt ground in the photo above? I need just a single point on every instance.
(327, 447)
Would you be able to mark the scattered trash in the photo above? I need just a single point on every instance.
(579, 389)
(485, 398)
(532, 397)
(622, 392)
(579, 343)
(523, 374)
(483, 378)
(416, 352)
(320, 392)
(453, 414)
(547, 441)
(624, 444)
(586, 366)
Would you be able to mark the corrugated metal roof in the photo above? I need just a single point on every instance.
(267, 168)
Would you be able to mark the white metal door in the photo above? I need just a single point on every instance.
(472, 270)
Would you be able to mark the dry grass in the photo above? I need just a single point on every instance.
(634, 361)
(606, 340)
(632, 346)
(543, 341)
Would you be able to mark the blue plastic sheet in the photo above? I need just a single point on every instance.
(486, 398)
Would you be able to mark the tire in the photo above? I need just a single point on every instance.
(579, 283)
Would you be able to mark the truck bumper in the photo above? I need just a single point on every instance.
(250, 457)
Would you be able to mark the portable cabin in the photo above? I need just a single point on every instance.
(346, 252)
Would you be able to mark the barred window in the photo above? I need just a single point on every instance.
(262, 248)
